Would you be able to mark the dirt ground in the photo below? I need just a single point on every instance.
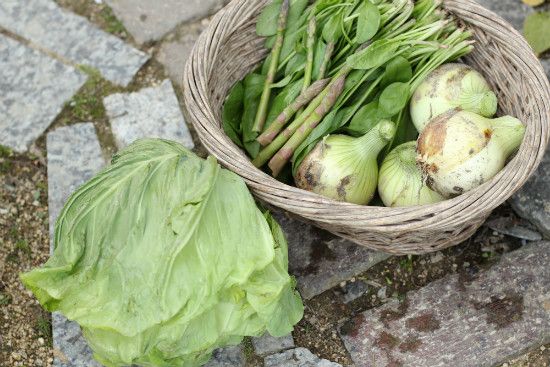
(25, 329)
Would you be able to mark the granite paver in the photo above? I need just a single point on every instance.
(74, 156)
(175, 50)
(71, 36)
(267, 344)
(299, 357)
(227, 357)
(149, 20)
(152, 112)
(33, 90)
(320, 260)
(464, 320)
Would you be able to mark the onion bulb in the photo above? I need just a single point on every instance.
(459, 150)
(452, 86)
(401, 183)
(345, 168)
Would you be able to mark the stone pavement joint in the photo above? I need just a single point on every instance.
(74, 157)
(227, 357)
(73, 37)
(150, 113)
(299, 357)
(149, 20)
(467, 319)
(34, 90)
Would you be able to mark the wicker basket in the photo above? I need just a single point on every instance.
(229, 49)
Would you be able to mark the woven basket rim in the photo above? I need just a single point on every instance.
(472, 205)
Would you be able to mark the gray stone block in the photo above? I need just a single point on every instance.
(299, 357)
(467, 320)
(268, 344)
(227, 357)
(71, 36)
(74, 157)
(533, 200)
(320, 260)
(149, 113)
(150, 20)
(512, 10)
(33, 90)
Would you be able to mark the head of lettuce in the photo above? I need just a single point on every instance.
(164, 257)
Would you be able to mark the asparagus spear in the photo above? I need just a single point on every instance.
(311, 30)
(285, 153)
(328, 55)
(261, 115)
(276, 126)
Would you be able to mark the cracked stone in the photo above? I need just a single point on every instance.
(299, 357)
(73, 38)
(227, 357)
(467, 320)
(268, 344)
(34, 90)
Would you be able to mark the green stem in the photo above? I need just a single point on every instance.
(261, 115)
(310, 45)
(326, 59)
(283, 156)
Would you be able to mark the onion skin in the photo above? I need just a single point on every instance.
(459, 150)
(401, 183)
(452, 86)
(344, 168)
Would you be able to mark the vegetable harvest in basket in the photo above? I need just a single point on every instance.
(351, 84)
(164, 257)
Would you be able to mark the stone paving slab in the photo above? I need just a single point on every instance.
(320, 260)
(33, 90)
(227, 357)
(267, 344)
(468, 320)
(175, 50)
(149, 20)
(74, 157)
(533, 200)
(299, 357)
(73, 37)
(152, 112)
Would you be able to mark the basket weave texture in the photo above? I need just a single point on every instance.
(230, 48)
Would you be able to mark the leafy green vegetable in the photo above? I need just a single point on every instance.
(253, 87)
(368, 22)
(332, 30)
(398, 69)
(366, 118)
(232, 112)
(164, 257)
(394, 98)
(378, 53)
(537, 31)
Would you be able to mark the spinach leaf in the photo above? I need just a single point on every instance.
(368, 22)
(297, 63)
(267, 21)
(394, 98)
(366, 118)
(399, 69)
(377, 54)
(253, 87)
(319, 55)
(332, 31)
(232, 114)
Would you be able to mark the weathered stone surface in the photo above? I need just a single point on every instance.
(72, 37)
(511, 10)
(175, 50)
(354, 290)
(533, 200)
(320, 260)
(299, 357)
(227, 357)
(74, 156)
(33, 89)
(514, 228)
(462, 320)
(268, 344)
(150, 20)
(150, 113)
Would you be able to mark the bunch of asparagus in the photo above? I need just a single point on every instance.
(337, 65)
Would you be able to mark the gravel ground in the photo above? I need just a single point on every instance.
(25, 329)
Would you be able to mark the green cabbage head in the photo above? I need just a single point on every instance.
(164, 257)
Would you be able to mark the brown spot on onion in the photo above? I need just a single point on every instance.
(488, 133)
(341, 189)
